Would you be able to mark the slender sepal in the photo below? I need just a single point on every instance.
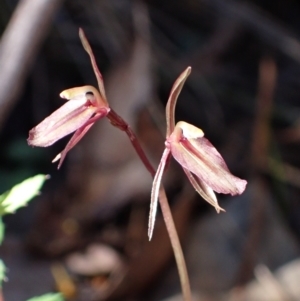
(155, 191)
(171, 104)
(87, 47)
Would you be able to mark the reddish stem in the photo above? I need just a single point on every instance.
(120, 123)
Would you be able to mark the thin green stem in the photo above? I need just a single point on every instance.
(118, 121)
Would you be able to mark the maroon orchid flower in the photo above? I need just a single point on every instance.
(83, 108)
(202, 163)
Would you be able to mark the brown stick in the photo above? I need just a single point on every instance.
(19, 45)
(260, 149)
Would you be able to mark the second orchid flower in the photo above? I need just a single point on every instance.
(202, 163)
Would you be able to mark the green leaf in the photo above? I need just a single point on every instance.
(2, 272)
(21, 194)
(2, 229)
(48, 297)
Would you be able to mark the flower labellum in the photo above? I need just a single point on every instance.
(83, 108)
(201, 162)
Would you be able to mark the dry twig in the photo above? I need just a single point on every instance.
(19, 45)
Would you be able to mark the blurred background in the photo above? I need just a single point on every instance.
(86, 234)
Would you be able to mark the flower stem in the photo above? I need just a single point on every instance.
(175, 242)
(118, 121)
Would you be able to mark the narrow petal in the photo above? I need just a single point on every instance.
(155, 191)
(78, 135)
(204, 190)
(203, 160)
(68, 118)
(73, 141)
(171, 104)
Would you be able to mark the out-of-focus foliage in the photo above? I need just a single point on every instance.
(2, 229)
(2, 272)
(10, 201)
(48, 297)
(21, 194)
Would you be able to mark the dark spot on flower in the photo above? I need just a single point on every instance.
(91, 100)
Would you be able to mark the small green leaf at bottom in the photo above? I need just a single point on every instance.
(2, 272)
(48, 297)
(2, 230)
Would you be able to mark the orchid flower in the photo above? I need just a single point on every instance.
(201, 162)
(84, 107)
